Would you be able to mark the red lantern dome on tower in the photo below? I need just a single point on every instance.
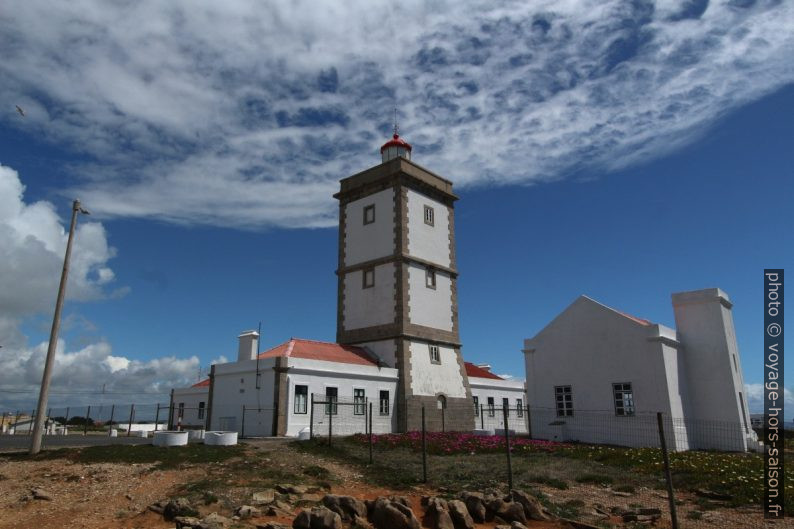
(395, 147)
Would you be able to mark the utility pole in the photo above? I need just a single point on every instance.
(35, 443)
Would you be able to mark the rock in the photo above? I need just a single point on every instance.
(474, 504)
(264, 496)
(437, 515)
(533, 509)
(186, 522)
(493, 505)
(246, 511)
(460, 515)
(272, 510)
(308, 497)
(621, 494)
(512, 512)
(213, 521)
(347, 507)
(317, 518)
(128, 496)
(292, 489)
(284, 506)
(391, 513)
(271, 525)
(517, 525)
(41, 494)
(650, 512)
(704, 493)
(158, 507)
(178, 507)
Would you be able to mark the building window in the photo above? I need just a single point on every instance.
(359, 402)
(435, 356)
(491, 407)
(476, 406)
(368, 277)
(519, 407)
(384, 402)
(429, 216)
(330, 400)
(441, 402)
(564, 399)
(369, 214)
(430, 277)
(506, 405)
(624, 399)
(181, 412)
(301, 397)
(201, 410)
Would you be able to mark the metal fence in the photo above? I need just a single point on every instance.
(595, 467)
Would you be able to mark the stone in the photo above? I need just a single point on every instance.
(317, 518)
(705, 493)
(517, 525)
(41, 494)
(246, 511)
(264, 496)
(271, 525)
(533, 509)
(652, 511)
(347, 507)
(474, 504)
(390, 513)
(493, 505)
(178, 507)
(309, 498)
(157, 507)
(213, 521)
(460, 515)
(186, 522)
(512, 512)
(272, 510)
(284, 506)
(292, 489)
(621, 494)
(437, 515)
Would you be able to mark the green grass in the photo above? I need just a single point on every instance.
(544, 479)
(595, 479)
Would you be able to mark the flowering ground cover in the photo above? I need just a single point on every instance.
(451, 443)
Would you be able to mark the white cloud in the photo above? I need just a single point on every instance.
(755, 397)
(247, 115)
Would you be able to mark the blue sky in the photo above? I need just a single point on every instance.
(625, 151)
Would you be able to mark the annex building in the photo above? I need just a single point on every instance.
(397, 341)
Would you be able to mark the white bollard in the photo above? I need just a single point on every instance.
(220, 438)
(166, 438)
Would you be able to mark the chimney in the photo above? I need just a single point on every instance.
(249, 342)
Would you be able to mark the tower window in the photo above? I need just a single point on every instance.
(429, 216)
(430, 277)
(368, 277)
(624, 399)
(369, 214)
(435, 356)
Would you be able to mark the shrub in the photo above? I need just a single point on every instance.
(596, 479)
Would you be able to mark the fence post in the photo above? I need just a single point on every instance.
(370, 433)
(506, 412)
(16, 423)
(443, 417)
(132, 414)
(330, 417)
(110, 422)
(482, 417)
(667, 476)
(32, 420)
(171, 416)
(529, 422)
(311, 418)
(424, 448)
(156, 416)
(87, 418)
(242, 426)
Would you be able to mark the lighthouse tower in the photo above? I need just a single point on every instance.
(397, 291)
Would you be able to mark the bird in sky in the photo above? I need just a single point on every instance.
(21, 112)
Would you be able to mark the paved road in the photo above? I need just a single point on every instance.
(16, 443)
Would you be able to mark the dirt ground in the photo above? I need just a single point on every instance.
(102, 495)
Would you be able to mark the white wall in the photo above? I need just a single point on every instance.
(190, 397)
(427, 306)
(386, 350)
(365, 307)
(364, 242)
(430, 243)
(482, 388)
(429, 379)
(235, 387)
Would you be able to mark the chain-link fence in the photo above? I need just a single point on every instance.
(595, 467)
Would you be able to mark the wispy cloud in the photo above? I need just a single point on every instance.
(246, 114)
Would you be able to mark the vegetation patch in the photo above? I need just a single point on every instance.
(548, 480)
(595, 479)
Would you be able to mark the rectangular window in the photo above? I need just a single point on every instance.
(369, 214)
(506, 405)
(491, 407)
(476, 406)
(359, 402)
(201, 410)
(181, 412)
(368, 277)
(429, 216)
(330, 400)
(301, 398)
(519, 407)
(430, 277)
(384, 402)
(435, 356)
(624, 399)
(564, 399)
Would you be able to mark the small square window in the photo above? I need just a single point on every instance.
(369, 214)
(430, 277)
(435, 356)
(429, 216)
(368, 277)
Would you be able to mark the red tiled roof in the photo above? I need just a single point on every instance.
(328, 352)
(634, 318)
(203, 383)
(478, 372)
